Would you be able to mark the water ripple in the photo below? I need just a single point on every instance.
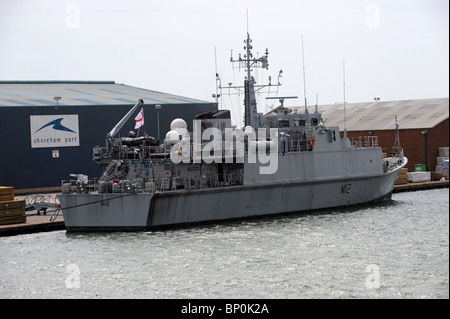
(397, 249)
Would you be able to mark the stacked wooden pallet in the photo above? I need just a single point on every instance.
(402, 177)
(11, 211)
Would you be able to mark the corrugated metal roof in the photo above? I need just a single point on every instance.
(79, 93)
(411, 114)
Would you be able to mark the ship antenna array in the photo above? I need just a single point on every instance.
(247, 21)
(217, 95)
(304, 78)
(345, 115)
(281, 98)
(248, 62)
(316, 110)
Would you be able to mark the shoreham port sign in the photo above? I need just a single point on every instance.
(54, 131)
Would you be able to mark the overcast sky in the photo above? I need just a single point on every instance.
(393, 49)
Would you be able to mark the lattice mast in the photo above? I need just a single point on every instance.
(248, 62)
(397, 150)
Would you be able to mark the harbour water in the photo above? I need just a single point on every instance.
(397, 249)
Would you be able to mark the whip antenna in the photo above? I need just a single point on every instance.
(345, 115)
(304, 78)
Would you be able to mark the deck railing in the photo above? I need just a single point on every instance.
(364, 141)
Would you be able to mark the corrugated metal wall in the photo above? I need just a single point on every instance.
(24, 167)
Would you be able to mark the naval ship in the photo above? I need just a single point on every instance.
(280, 162)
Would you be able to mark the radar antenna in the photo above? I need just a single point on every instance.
(248, 62)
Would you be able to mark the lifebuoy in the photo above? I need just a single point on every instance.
(311, 142)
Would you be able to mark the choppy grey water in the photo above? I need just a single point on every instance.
(398, 249)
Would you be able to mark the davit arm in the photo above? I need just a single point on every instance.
(119, 125)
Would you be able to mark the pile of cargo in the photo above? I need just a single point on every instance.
(419, 176)
(442, 161)
(402, 177)
(11, 211)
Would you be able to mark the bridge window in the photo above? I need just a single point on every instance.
(299, 122)
(283, 122)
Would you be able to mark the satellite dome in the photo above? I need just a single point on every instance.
(180, 126)
(172, 137)
(178, 123)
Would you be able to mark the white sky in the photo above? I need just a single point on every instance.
(393, 49)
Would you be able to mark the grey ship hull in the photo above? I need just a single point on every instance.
(149, 211)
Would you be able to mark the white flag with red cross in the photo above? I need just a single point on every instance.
(139, 119)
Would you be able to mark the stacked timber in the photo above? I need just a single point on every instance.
(11, 211)
(402, 177)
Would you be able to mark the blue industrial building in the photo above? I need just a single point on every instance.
(48, 129)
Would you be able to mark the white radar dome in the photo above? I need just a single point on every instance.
(172, 137)
(248, 129)
(178, 123)
(180, 126)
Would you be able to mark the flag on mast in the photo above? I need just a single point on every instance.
(139, 119)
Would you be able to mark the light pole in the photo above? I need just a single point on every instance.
(57, 98)
(158, 107)
(425, 133)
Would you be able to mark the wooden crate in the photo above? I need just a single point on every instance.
(6, 190)
(11, 211)
(6, 197)
(12, 204)
(13, 220)
(6, 193)
(402, 177)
